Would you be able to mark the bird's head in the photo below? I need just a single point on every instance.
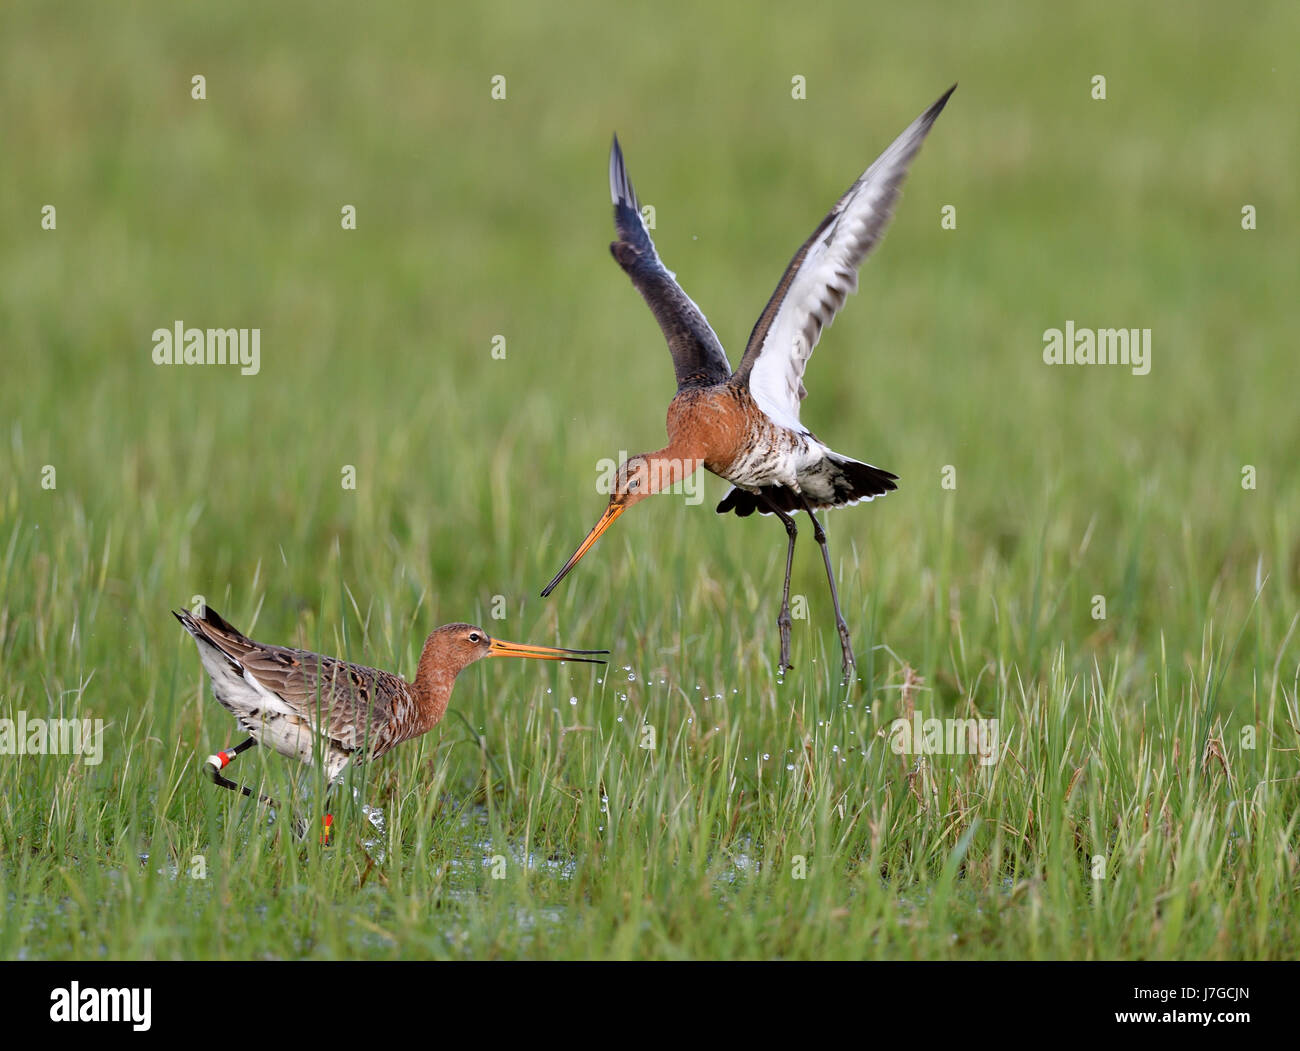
(636, 478)
(457, 646)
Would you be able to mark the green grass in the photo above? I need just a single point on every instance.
(1128, 817)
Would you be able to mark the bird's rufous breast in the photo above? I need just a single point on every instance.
(712, 422)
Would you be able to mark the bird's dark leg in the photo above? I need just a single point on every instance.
(846, 645)
(327, 822)
(301, 827)
(783, 618)
(216, 763)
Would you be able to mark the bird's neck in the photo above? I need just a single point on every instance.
(677, 460)
(432, 687)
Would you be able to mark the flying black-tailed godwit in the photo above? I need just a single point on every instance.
(290, 699)
(744, 426)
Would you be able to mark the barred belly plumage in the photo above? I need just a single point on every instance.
(772, 455)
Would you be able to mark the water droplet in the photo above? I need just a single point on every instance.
(766, 757)
(573, 700)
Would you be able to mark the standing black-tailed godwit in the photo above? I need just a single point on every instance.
(290, 700)
(745, 426)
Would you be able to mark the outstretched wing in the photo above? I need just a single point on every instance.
(698, 357)
(823, 272)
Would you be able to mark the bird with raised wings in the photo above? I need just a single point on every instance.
(744, 426)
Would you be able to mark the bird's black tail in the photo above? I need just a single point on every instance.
(836, 482)
(209, 616)
(854, 481)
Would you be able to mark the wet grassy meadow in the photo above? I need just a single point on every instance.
(1097, 567)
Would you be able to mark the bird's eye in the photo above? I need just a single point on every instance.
(634, 483)
(474, 636)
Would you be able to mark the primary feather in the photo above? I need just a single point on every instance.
(698, 357)
(822, 274)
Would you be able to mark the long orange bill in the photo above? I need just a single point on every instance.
(497, 648)
(606, 520)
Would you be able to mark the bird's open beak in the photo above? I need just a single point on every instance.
(606, 520)
(497, 648)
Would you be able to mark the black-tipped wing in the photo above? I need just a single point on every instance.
(822, 274)
(698, 357)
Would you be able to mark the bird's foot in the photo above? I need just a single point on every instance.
(848, 665)
(214, 764)
(302, 827)
(783, 623)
